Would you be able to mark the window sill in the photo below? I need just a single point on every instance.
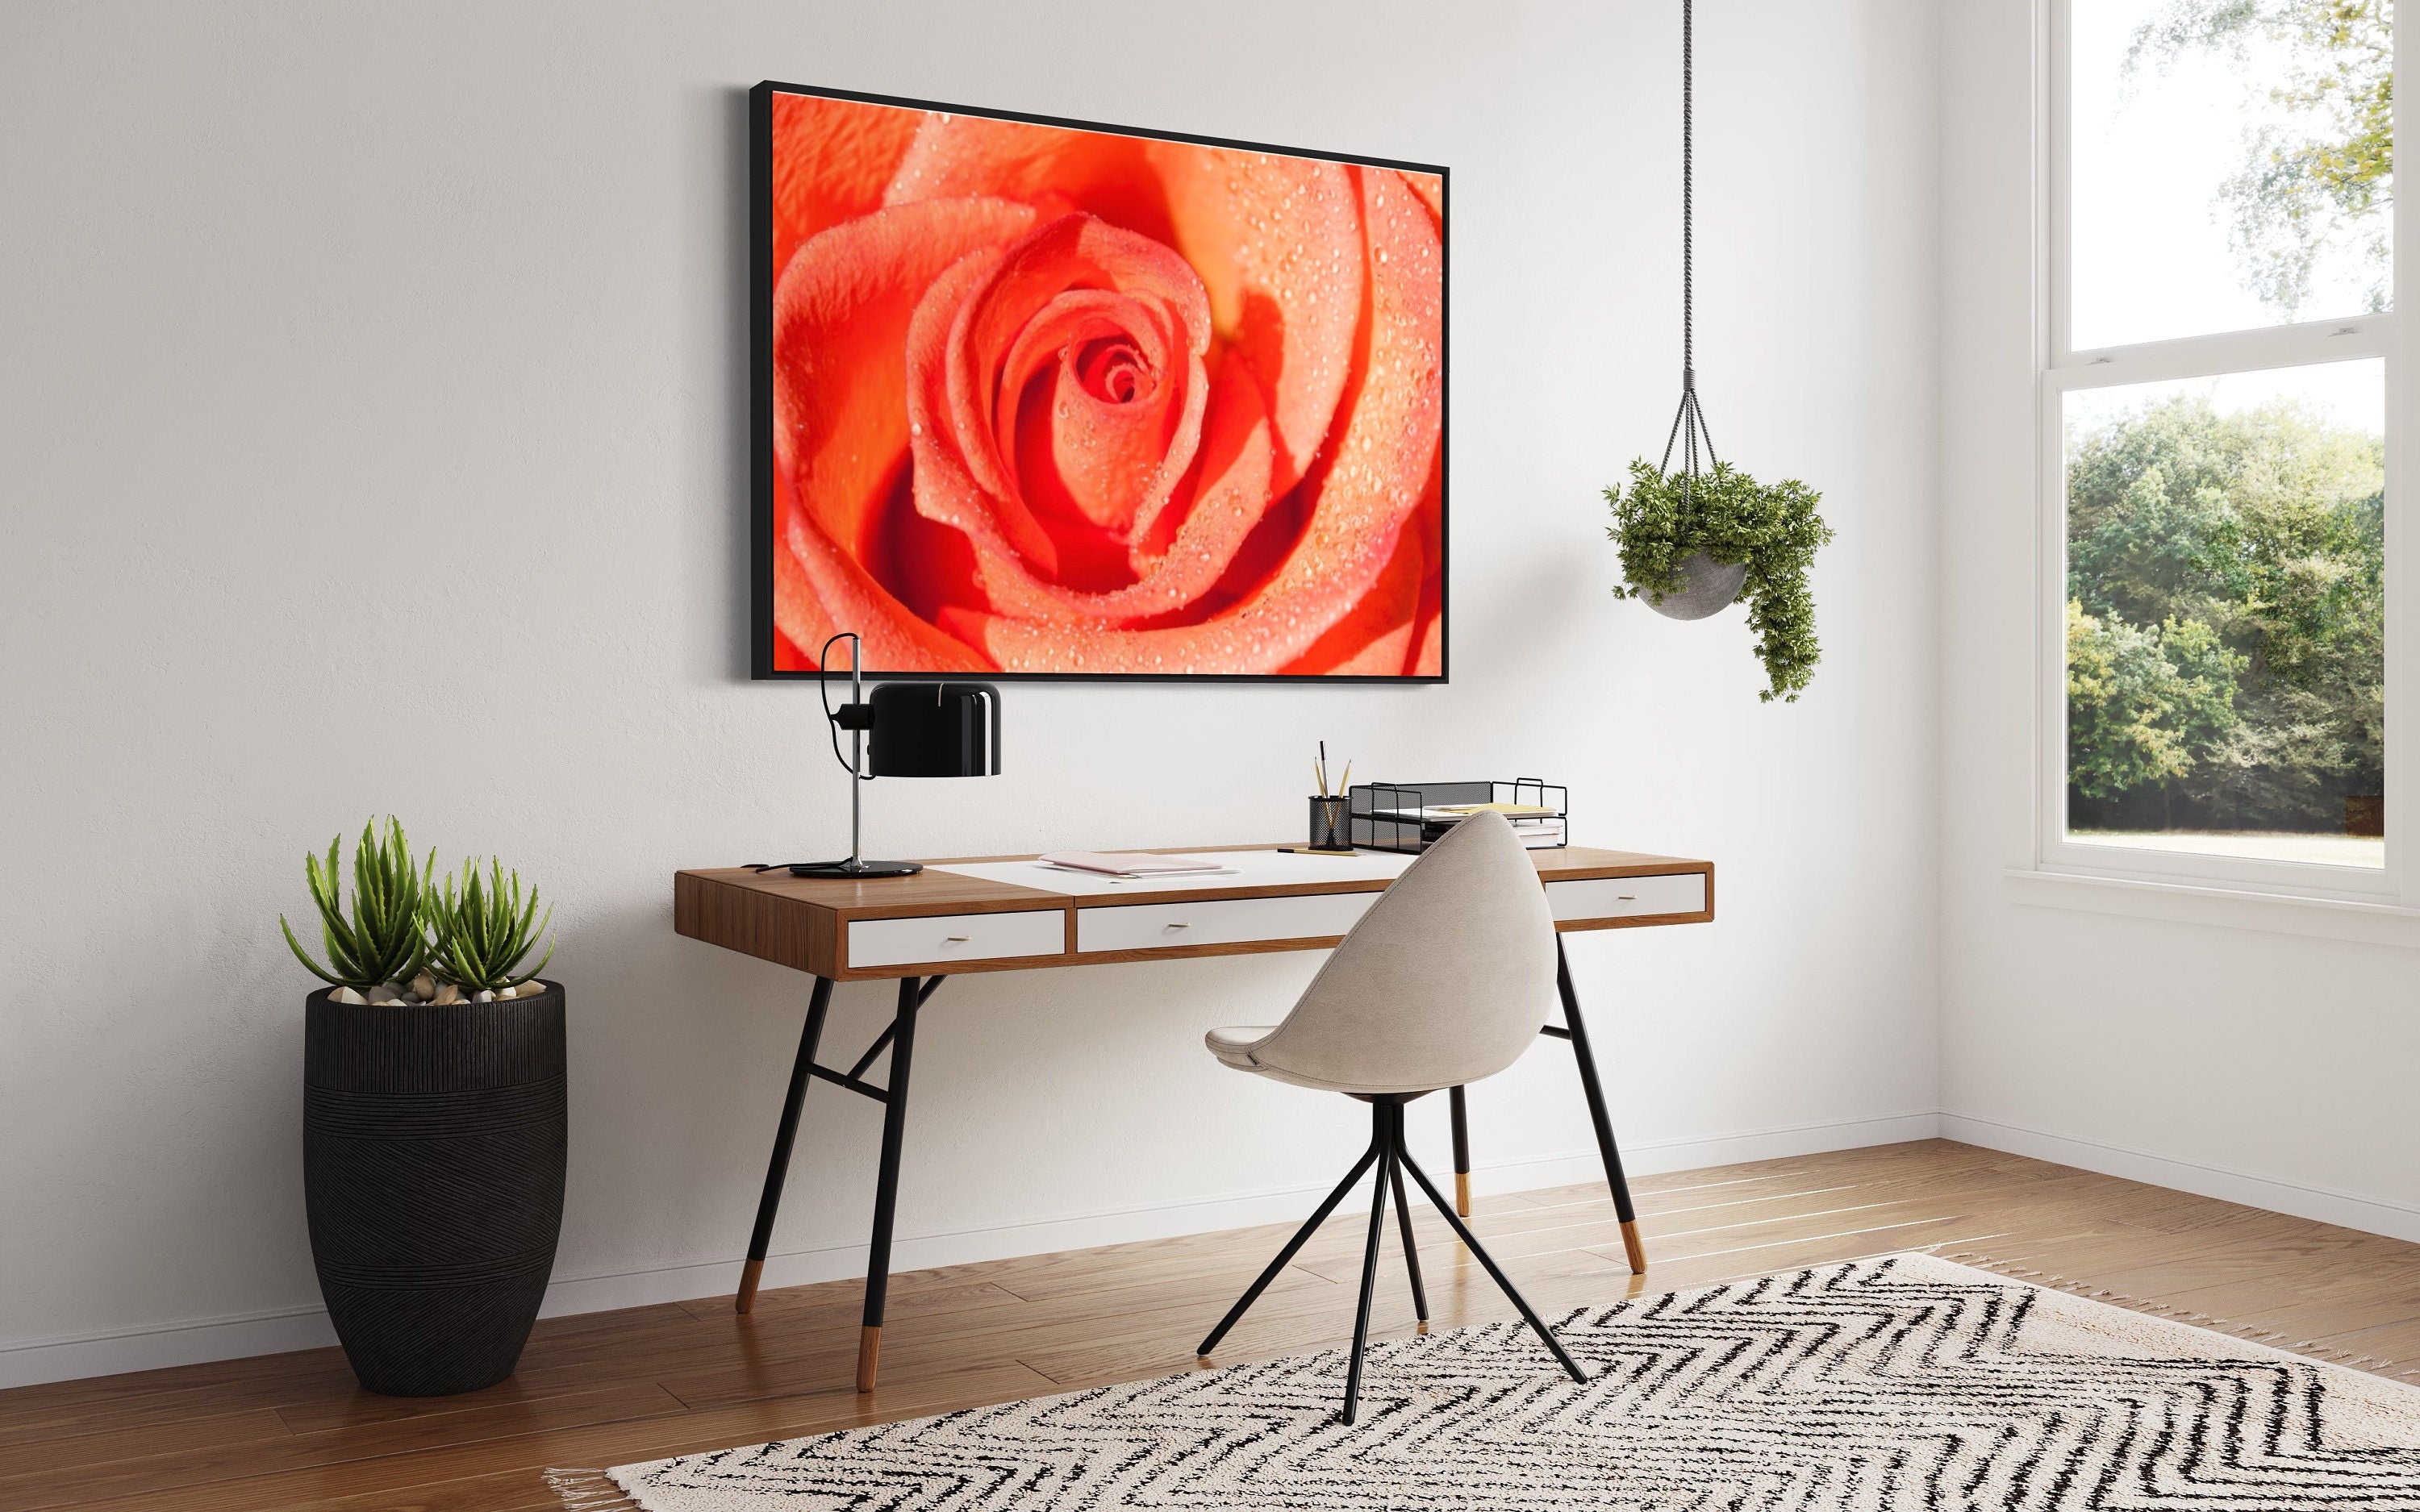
(2220, 908)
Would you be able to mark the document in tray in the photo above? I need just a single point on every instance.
(1131, 863)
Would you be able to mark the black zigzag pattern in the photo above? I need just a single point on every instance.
(1870, 1386)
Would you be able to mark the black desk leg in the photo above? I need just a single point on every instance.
(1595, 1090)
(886, 1190)
(1461, 1153)
(784, 1134)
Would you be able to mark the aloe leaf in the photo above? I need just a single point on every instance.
(304, 956)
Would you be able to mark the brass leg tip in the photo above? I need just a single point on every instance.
(1461, 1193)
(1202, 1359)
(1633, 1247)
(1424, 1325)
(746, 1301)
(869, 1355)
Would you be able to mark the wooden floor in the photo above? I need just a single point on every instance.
(293, 1430)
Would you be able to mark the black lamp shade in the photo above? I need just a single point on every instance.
(935, 730)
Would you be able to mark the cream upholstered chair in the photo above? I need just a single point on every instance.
(1444, 980)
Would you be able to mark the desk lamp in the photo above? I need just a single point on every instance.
(917, 729)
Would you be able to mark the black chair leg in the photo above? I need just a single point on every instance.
(1461, 1151)
(1403, 1219)
(1294, 1245)
(1386, 1146)
(1495, 1271)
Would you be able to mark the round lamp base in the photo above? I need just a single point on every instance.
(855, 869)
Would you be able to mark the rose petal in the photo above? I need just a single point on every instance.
(1190, 547)
(1376, 636)
(1372, 484)
(1380, 635)
(1276, 240)
(819, 591)
(787, 657)
(841, 320)
(954, 156)
(831, 161)
(961, 477)
(1085, 394)
(1430, 187)
(1428, 623)
(968, 344)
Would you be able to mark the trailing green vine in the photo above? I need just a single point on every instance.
(1731, 517)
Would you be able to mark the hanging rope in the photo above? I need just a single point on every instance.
(1689, 422)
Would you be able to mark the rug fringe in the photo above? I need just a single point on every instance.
(589, 1490)
(2368, 1365)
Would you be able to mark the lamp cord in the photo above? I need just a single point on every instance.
(823, 670)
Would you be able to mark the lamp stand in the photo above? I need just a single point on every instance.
(856, 865)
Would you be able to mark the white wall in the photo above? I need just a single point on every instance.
(372, 398)
(2261, 1067)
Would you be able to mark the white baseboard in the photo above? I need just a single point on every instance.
(34, 1361)
(77, 1356)
(2300, 1200)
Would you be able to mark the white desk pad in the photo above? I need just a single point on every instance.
(1237, 869)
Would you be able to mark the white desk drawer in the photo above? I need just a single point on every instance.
(1682, 892)
(899, 942)
(1227, 921)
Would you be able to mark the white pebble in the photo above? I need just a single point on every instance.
(344, 994)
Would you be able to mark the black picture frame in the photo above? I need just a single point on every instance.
(761, 279)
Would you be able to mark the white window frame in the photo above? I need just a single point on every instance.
(2063, 370)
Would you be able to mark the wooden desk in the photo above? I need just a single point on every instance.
(919, 929)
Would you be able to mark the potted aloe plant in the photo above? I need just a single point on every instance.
(434, 1116)
(1695, 544)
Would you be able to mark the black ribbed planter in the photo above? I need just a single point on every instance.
(432, 1166)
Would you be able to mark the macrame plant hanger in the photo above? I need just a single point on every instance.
(1703, 585)
(1690, 423)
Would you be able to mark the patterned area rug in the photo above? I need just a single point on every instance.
(1901, 1382)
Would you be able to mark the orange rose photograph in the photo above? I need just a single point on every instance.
(1047, 400)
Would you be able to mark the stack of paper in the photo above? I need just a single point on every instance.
(1131, 863)
(1539, 827)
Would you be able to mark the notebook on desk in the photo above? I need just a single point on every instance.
(1130, 863)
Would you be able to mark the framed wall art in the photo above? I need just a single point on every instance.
(1039, 398)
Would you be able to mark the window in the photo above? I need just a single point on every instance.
(2220, 424)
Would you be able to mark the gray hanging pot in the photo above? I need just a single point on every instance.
(1707, 587)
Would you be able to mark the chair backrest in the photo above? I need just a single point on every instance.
(1444, 980)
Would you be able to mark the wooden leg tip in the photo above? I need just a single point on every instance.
(1202, 1359)
(1633, 1247)
(1461, 1193)
(746, 1301)
(869, 1355)
(1424, 1325)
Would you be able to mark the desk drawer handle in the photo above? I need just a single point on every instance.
(1176, 926)
(956, 939)
(1625, 897)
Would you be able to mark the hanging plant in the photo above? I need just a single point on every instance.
(1693, 546)
(1697, 541)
